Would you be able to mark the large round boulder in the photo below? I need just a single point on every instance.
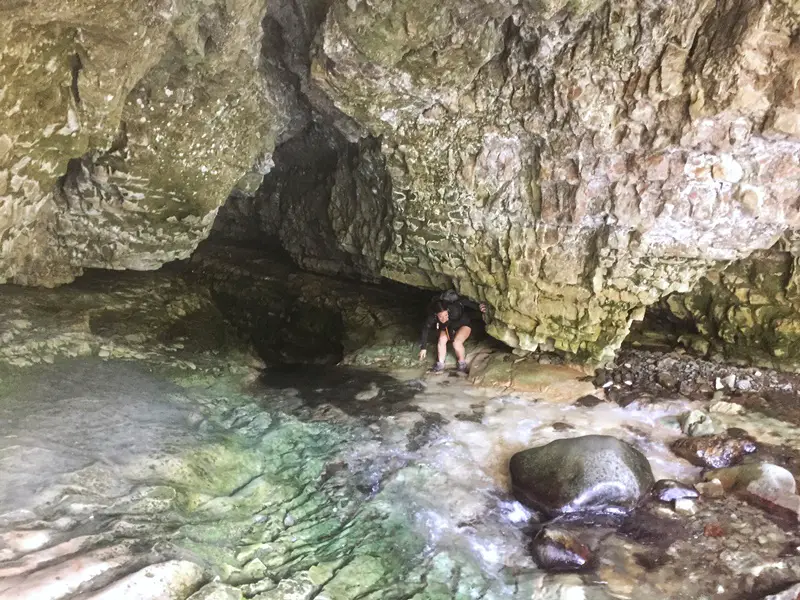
(593, 474)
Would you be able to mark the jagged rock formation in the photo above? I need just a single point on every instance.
(749, 311)
(326, 202)
(573, 163)
(570, 164)
(124, 126)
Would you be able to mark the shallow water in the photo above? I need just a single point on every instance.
(313, 483)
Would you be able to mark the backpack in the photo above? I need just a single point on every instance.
(448, 296)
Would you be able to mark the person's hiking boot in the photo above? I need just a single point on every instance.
(462, 367)
(438, 367)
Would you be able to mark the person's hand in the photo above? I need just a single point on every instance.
(482, 306)
(422, 354)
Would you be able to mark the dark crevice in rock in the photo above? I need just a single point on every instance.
(75, 67)
(326, 202)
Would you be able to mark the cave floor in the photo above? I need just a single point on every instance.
(119, 483)
(147, 453)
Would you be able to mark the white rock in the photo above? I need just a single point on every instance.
(685, 506)
(171, 580)
(696, 423)
(369, 394)
(217, 591)
(725, 408)
(60, 580)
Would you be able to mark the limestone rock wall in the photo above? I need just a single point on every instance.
(748, 311)
(572, 163)
(568, 163)
(326, 202)
(123, 127)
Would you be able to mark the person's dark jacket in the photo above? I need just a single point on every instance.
(458, 316)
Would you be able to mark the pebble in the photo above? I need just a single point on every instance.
(696, 423)
(667, 490)
(558, 550)
(710, 489)
(685, 506)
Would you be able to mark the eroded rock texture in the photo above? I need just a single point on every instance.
(573, 163)
(749, 311)
(123, 127)
(570, 164)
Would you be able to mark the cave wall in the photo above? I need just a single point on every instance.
(568, 163)
(326, 202)
(571, 163)
(748, 311)
(124, 126)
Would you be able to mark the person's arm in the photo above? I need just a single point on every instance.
(423, 340)
(471, 305)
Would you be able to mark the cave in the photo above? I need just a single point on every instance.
(374, 300)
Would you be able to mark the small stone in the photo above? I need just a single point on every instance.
(667, 380)
(217, 591)
(589, 401)
(713, 530)
(685, 506)
(667, 490)
(718, 395)
(718, 385)
(726, 408)
(696, 423)
(558, 550)
(744, 385)
(730, 381)
(369, 394)
(710, 489)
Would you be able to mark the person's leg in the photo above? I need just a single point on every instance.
(441, 350)
(458, 345)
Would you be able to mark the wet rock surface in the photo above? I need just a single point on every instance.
(559, 550)
(667, 490)
(714, 451)
(583, 475)
(141, 474)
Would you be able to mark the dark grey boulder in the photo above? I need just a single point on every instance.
(593, 474)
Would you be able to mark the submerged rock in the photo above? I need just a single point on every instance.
(559, 550)
(767, 477)
(714, 451)
(710, 489)
(685, 507)
(762, 484)
(791, 593)
(696, 423)
(667, 490)
(591, 474)
(171, 579)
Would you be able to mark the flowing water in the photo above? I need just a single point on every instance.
(310, 483)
